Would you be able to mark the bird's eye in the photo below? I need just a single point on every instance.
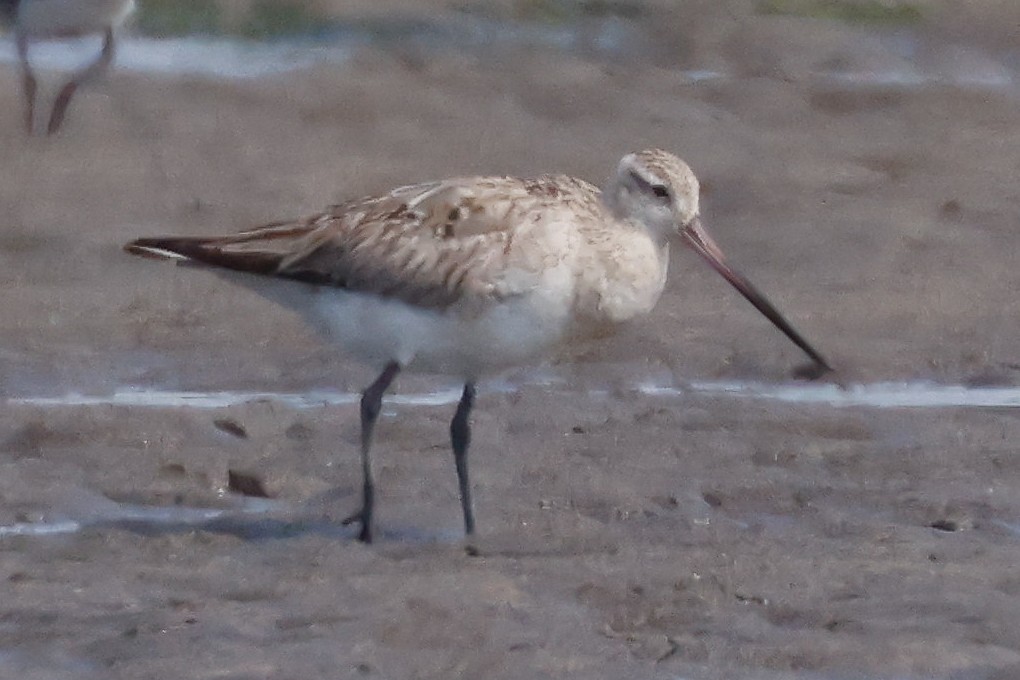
(657, 190)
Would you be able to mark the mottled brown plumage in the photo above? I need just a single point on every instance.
(430, 245)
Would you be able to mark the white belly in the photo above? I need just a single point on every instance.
(377, 330)
(469, 346)
(66, 18)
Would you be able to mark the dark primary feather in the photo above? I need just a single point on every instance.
(203, 250)
(258, 251)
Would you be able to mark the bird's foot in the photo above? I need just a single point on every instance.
(365, 535)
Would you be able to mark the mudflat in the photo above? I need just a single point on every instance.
(869, 189)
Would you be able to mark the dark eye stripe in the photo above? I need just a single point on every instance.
(657, 190)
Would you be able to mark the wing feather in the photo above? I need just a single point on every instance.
(428, 244)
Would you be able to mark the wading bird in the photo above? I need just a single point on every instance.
(39, 20)
(472, 275)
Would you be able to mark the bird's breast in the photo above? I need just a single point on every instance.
(620, 279)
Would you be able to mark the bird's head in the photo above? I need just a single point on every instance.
(660, 191)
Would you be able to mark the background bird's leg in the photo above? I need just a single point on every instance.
(371, 404)
(88, 73)
(460, 437)
(28, 80)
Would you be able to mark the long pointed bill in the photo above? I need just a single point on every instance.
(699, 240)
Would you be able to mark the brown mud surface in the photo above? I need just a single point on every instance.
(621, 534)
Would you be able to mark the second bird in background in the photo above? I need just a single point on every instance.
(41, 20)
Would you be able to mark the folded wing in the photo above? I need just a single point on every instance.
(429, 244)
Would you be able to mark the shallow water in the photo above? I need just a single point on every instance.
(874, 395)
(222, 57)
(206, 57)
(881, 395)
(909, 64)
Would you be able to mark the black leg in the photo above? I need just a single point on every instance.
(460, 437)
(67, 92)
(28, 82)
(371, 404)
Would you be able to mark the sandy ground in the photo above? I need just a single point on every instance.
(621, 535)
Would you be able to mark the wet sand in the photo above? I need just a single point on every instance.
(622, 533)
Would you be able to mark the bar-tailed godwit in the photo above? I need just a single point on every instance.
(472, 275)
(36, 20)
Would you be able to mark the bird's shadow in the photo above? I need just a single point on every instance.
(259, 520)
(255, 529)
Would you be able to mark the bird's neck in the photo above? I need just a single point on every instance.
(623, 210)
(622, 275)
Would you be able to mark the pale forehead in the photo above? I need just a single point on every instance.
(664, 164)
